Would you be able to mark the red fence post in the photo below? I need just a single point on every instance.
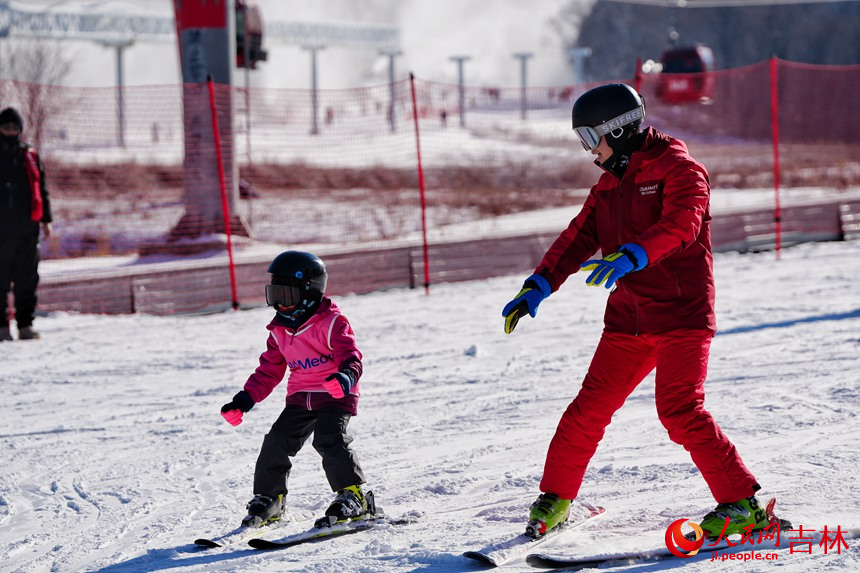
(774, 122)
(224, 203)
(421, 188)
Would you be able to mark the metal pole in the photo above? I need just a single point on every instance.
(460, 60)
(393, 98)
(4, 33)
(577, 56)
(247, 61)
(120, 46)
(523, 57)
(120, 96)
(314, 103)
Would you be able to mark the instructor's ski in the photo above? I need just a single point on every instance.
(500, 553)
(561, 559)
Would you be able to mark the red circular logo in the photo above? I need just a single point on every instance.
(678, 545)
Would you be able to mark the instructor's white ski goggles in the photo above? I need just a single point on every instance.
(590, 136)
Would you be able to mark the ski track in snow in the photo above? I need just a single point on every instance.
(115, 457)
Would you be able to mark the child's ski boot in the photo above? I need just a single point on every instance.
(263, 510)
(350, 504)
(546, 513)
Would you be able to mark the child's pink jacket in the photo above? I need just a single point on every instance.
(317, 349)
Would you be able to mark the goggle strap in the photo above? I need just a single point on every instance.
(620, 121)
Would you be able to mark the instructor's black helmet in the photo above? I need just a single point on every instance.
(298, 282)
(614, 111)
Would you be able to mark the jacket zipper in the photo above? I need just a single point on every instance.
(633, 298)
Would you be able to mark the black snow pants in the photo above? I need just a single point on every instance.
(287, 436)
(19, 272)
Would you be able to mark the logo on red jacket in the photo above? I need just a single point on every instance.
(649, 189)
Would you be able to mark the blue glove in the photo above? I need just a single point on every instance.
(630, 257)
(535, 289)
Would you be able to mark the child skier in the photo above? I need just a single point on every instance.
(310, 336)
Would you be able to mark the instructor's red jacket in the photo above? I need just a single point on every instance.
(661, 204)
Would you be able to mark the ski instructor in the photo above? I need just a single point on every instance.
(648, 216)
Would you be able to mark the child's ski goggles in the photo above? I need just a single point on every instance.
(590, 136)
(283, 295)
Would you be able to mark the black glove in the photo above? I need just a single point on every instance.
(241, 401)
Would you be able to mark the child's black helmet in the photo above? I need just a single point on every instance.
(298, 280)
(299, 268)
(613, 111)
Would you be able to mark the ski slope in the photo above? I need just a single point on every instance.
(115, 457)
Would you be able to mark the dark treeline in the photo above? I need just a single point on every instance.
(618, 33)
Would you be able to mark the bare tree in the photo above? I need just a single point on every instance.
(37, 67)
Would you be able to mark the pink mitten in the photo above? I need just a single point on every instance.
(333, 386)
(233, 417)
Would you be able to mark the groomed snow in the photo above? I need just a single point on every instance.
(115, 457)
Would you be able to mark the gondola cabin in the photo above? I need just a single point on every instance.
(686, 75)
(249, 34)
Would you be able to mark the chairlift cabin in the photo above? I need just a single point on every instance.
(686, 74)
(249, 34)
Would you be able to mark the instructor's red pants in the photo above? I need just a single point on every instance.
(620, 363)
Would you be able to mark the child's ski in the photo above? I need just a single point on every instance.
(321, 533)
(238, 535)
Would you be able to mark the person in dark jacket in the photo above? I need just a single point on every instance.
(24, 211)
(648, 217)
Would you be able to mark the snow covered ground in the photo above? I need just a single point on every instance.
(115, 458)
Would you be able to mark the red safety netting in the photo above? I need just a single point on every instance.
(139, 210)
